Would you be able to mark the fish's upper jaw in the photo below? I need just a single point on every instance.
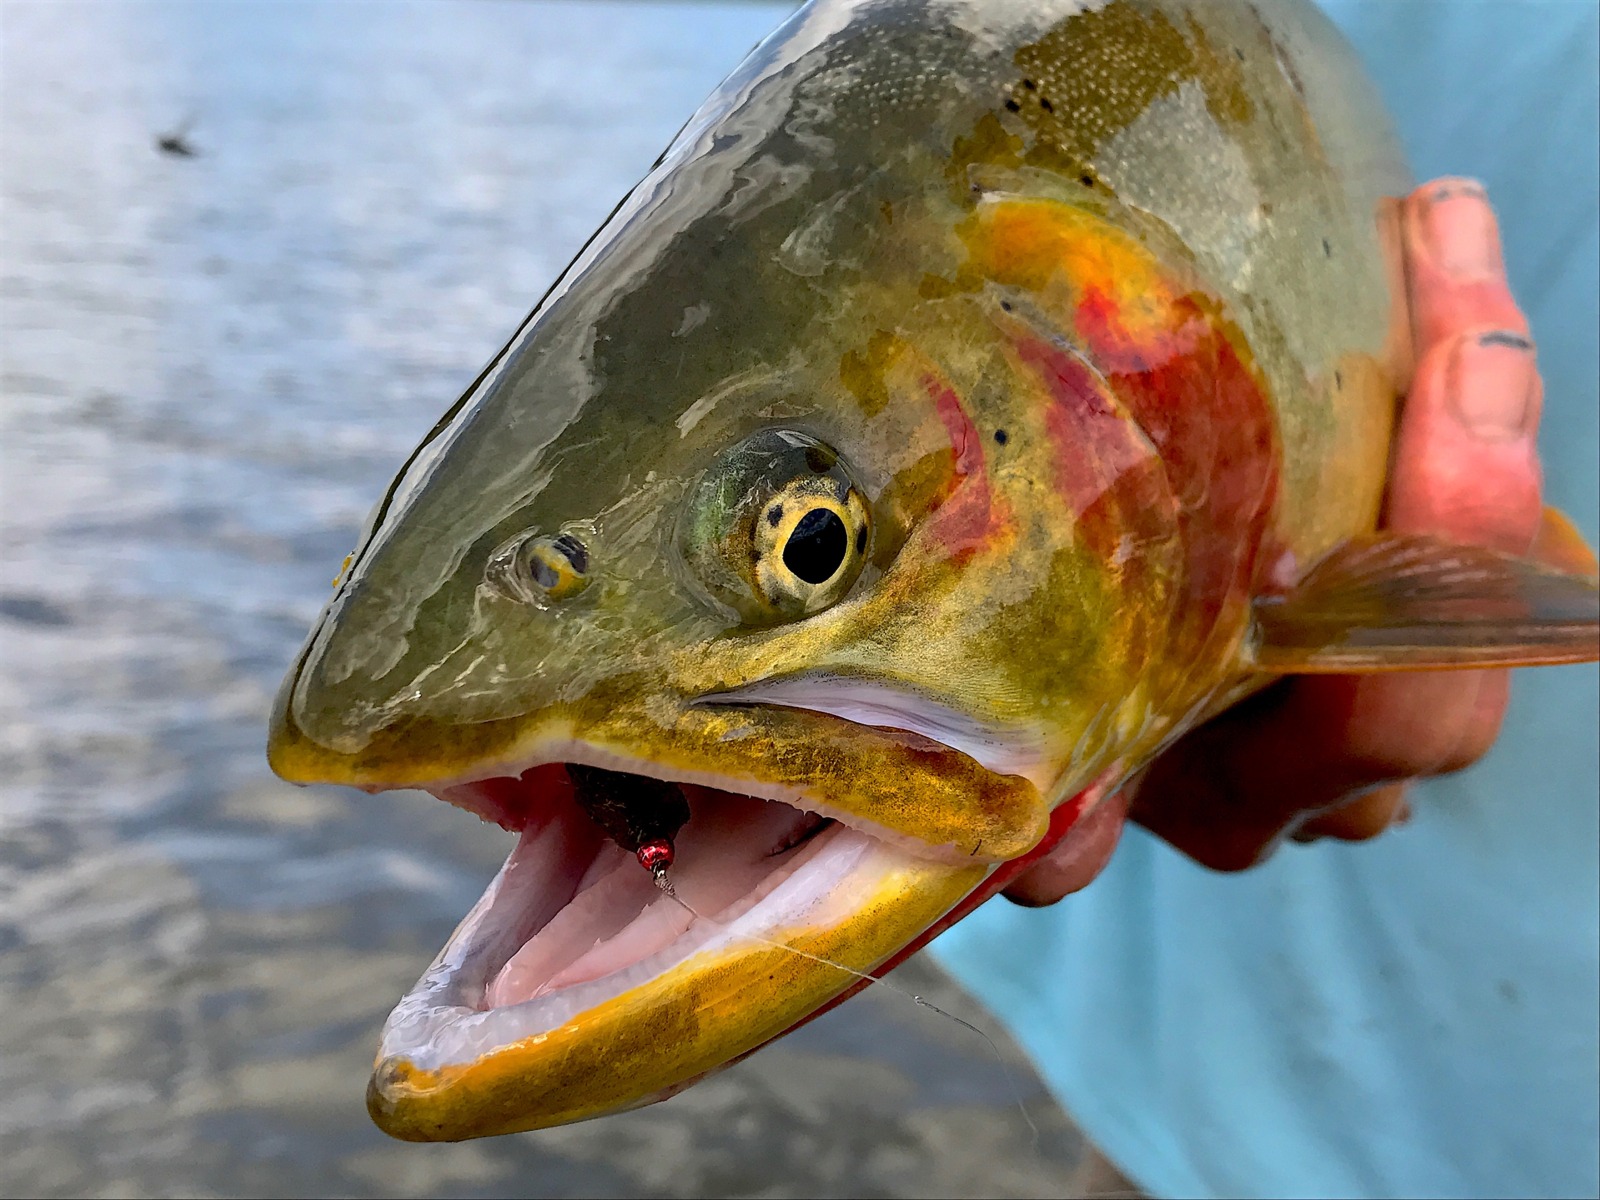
(1004, 748)
(873, 769)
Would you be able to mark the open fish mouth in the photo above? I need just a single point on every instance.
(578, 985)
(572, 919)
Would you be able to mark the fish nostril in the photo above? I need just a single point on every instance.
(544, 574)
(537, 568)
(575, 551)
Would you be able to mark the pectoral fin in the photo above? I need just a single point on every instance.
(1402, 603)
(1560, 546)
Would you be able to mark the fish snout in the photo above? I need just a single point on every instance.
(408, 678)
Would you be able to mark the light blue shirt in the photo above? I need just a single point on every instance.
(1418, 1015)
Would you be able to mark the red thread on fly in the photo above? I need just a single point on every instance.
(640, 814)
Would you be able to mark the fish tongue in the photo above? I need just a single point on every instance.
(729, 850)
(728, 847)
(612, 893)
(656, 926)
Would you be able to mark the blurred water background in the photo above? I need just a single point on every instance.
(212, 365)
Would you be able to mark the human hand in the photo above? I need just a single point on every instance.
(1330, 756)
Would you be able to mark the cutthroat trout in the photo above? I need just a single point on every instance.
(974, 397)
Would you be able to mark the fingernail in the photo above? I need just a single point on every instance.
(1460, 231)
(1493, 385)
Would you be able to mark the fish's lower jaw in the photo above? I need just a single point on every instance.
(577, 988)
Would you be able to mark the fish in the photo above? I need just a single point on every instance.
(975, 396)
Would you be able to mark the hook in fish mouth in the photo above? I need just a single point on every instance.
(572, 906)
(573, 948)
(572, 920)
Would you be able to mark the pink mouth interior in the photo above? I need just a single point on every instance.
(583, 906)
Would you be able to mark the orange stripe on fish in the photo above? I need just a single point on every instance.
(1194, 410)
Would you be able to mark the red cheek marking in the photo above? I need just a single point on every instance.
(1120, 343)
(1107, 471)
(1207, 416)
(973, 516)
(1205, 412)
(1176, 438)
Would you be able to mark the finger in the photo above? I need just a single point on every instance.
(1228, 793)
(1073, 864)
(1466, 462)
(1357, 820)
(1455, 275)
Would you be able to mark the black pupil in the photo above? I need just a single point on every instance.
(816, 548)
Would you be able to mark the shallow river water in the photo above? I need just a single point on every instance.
(212, 366)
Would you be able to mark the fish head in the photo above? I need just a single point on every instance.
(664, 532)
(765, 501)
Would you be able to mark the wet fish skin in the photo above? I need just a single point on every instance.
(1079, 317)
(848, 213)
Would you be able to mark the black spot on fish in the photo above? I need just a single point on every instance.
(1045, 104)
(775, 515)
(1030, 85)
(176, 145)
(1338, 379)
(1013, 106)
(1001, 436)
(1005, 306)
(1086, 180)
(1327, 248)
(1238, 53)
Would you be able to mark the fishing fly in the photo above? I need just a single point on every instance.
(640, 814)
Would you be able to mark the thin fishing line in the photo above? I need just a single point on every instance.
(666, 887)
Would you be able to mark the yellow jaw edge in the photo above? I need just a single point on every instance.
(653, 1040)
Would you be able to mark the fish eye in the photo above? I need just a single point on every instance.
(777, 529)
(539, 568)
(817, 546)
